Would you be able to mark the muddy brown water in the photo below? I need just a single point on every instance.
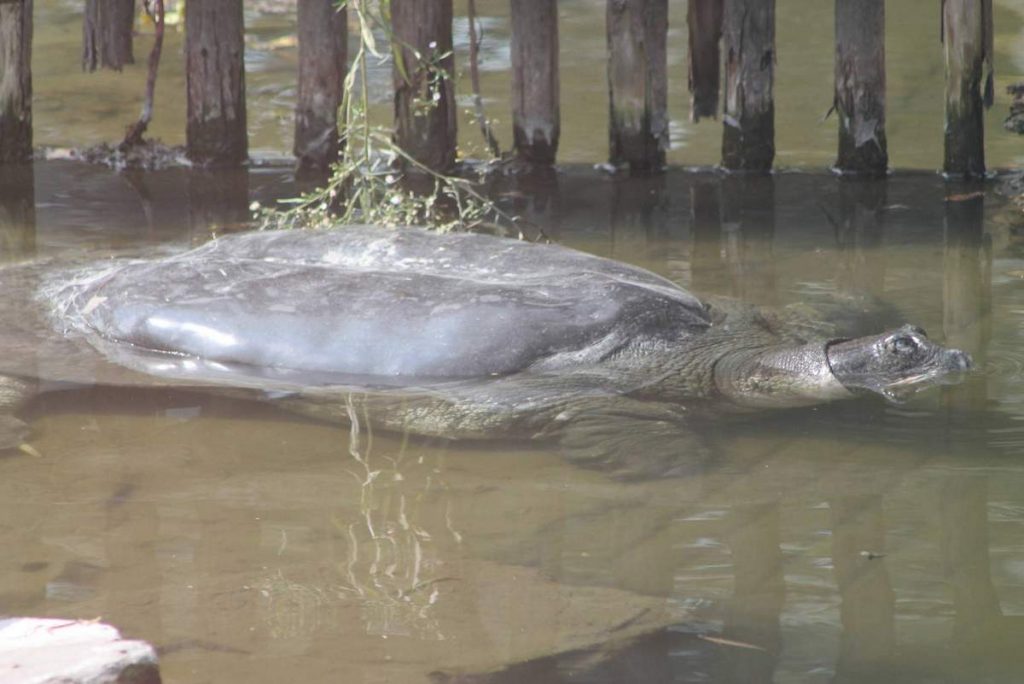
(849, 543)
(855, 542)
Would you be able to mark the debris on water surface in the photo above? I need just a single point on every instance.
(730, 642)
(150, 155)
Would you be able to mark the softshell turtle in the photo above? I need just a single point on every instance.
(454, 335)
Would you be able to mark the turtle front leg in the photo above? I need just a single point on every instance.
(629, 439)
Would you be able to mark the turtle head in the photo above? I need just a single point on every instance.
(895, 364)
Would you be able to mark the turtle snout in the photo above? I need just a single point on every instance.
(960, 360)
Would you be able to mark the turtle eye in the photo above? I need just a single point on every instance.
(902, 344)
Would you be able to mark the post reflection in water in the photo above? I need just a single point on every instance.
(708, 275)
(860, 236)
(967, 286)
(638, 218)
(752, 616)
(534, 195)
(218, 202)
(17, 211)
(963, 504)
(867, 611)
(748, 236)
(732, 229)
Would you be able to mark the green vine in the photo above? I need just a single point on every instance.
(370, 183)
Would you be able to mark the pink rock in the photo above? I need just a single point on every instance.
(45, 651)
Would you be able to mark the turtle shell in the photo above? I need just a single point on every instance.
(397, 306)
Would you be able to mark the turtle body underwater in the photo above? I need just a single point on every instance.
(451, 335)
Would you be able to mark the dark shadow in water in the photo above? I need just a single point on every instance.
(665, 657)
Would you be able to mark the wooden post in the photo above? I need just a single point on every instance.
(859, 98)
(425, 109)
(704, 18)
(15, 81)
(107, 34)
(967, 37)
(638, 83)
(535, 88)
(215, 74)
(748, 32)
(323, 37)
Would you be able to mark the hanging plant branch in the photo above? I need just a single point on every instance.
(474, 78)
(135, 132)
(375, 180)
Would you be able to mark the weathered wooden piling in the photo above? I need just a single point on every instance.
(967, 39)
(323, 55)
(704, 18)
(107, 34)
(215, 73)
(859, 99)
(536, 120)
(638, 83)
(748, 40)
(423, 72)
(15, 81)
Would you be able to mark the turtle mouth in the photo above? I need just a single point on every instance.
(956, 366)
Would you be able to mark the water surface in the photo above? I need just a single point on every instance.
(854, 542)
